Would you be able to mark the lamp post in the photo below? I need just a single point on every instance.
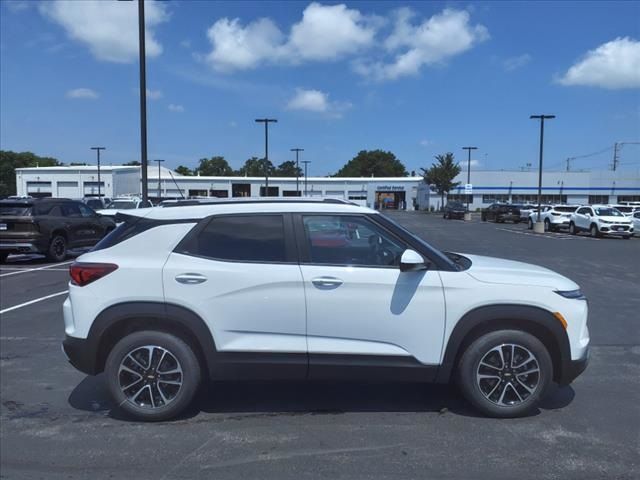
(297, 150)
(266, 122)
(467, 215)
(306, 162)
(539, 226)
(159, 186)
(97, 149)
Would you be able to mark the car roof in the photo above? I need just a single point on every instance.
(202, 210)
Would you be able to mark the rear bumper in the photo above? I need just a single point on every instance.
(80, 354)
(573, 369)
(21, 246)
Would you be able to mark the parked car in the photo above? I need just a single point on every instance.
(49, 226)
(636, 223)
(96, 203)
(526, 210)
(454, 210)
(240, 290)
(120, 204)
(554, 217)
(626, 210)
(501, 212)
(601, 220)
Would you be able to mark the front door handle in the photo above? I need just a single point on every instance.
(190, 278)
(326, 282)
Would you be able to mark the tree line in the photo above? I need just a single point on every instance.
(367, 163)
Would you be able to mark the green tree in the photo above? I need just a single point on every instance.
(442, 173)
(373, 163)
(133, 163)
(288, 169)
(255, 167)
(214, 167)
(182, 170)
(9, 161)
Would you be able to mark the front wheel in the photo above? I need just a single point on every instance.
(594, 231)
(547, 225)
(152, 375)
(572, 229)
(530, 224)
(505, 373)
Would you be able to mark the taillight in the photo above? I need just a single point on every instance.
(84, 273)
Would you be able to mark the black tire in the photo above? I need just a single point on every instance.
(3, 256)
(483, 217)
(572, 228)
(179, 400)
(547, 225)
(530, 224)
(444, 216)
(627, 237)
(593, 230)
(469, 367)
(57, 251)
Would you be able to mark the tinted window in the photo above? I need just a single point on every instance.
(86, 211)
(71, 210)
(569, 209)
(350, 240)
(249, 238)
(608, 212)
(95, 204)
(15, 210)
(583, 211)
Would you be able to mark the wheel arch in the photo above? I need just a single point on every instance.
(119, 320)
(534, 320)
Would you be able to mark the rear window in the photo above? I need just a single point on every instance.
(16, 210)
(239, 238)
(131, 227)
(122, 205)
(565, 209)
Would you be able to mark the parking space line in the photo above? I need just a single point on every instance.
(26, 270)
(31, 302)
(552, 236)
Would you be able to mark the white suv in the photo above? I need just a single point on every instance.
(312, 290)
(600, 220)
(553, 216)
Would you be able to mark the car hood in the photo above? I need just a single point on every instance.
(615, 219)
(509, 272)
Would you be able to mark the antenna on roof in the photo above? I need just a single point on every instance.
(174, 181)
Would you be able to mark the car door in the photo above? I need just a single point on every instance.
(240, 274)
(360, 306)
(79, 229)
(95, 228)
(583, 218)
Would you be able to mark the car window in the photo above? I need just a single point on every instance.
(122, 205)
(636, 215)
(95, 204)
(582, 211)
(350, 240)
(86, 211)
(569, 209)
(71, 210)
(608, 212)
(16, 210)
(241, 238)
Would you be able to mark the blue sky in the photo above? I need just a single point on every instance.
(416, 78)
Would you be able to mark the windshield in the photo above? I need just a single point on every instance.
(122, 205)
(16, 210)
(624, 209)
(608, 212)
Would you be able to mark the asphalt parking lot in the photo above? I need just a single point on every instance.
(58, 423)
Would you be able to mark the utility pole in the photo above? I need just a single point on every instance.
(306, 162)
(159, 186)
(297, 150)
(97, 149)
(538, 228)
(569, 160)
(616, 152)
(266, 122)
(143, 103)
(468, 149)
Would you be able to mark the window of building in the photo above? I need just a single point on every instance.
(219, 193)
(460, 198)
(493, 198)
(197, 193)
(291, 193)
(628, 198)
(358, 197)
(240, 238)
(350, 240)
(273, 192)
(598, 199)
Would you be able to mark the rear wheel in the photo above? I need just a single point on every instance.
(152, 375)
(3, 256)
(547, 225)
(57, 249)
(505, 373)
(483, 217)
(530, 224)
(572, 229)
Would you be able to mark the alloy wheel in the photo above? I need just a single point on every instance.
(508, 374)
(150, 376)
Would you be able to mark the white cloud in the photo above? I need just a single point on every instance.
(154, 94)
(109, 29)
(613, 65)
(431, 42)
(176, 108)
(185, 43)
(326, 32)
(426, 143)
(82, 93)
(513, 63)
(318, 102)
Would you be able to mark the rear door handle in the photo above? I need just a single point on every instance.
(190, 278)
(326, 282)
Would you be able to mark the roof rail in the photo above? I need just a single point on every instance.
(237, 200)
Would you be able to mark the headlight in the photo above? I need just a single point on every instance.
(604, 221)
(572, 294)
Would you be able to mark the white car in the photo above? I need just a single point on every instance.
(554, 217)
(627, 210)
(123, 204)
(636, 223)
(312, 290)
(600, 220)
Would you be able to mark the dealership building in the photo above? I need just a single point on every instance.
(579, 187)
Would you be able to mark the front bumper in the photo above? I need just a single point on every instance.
(81, 354)
(573, 368)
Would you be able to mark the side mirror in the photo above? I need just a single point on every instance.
(412, 261)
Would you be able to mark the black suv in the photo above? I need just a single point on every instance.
(454, 210)
(49, 226)
(501, 212)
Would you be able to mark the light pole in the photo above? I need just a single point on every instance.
(159, 187)
(266, 122)
(297, 150)
(143, 102)
(467, 215)
(306, 162)
(539, 227)
(97, 149)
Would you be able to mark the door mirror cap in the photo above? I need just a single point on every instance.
(412, 261)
